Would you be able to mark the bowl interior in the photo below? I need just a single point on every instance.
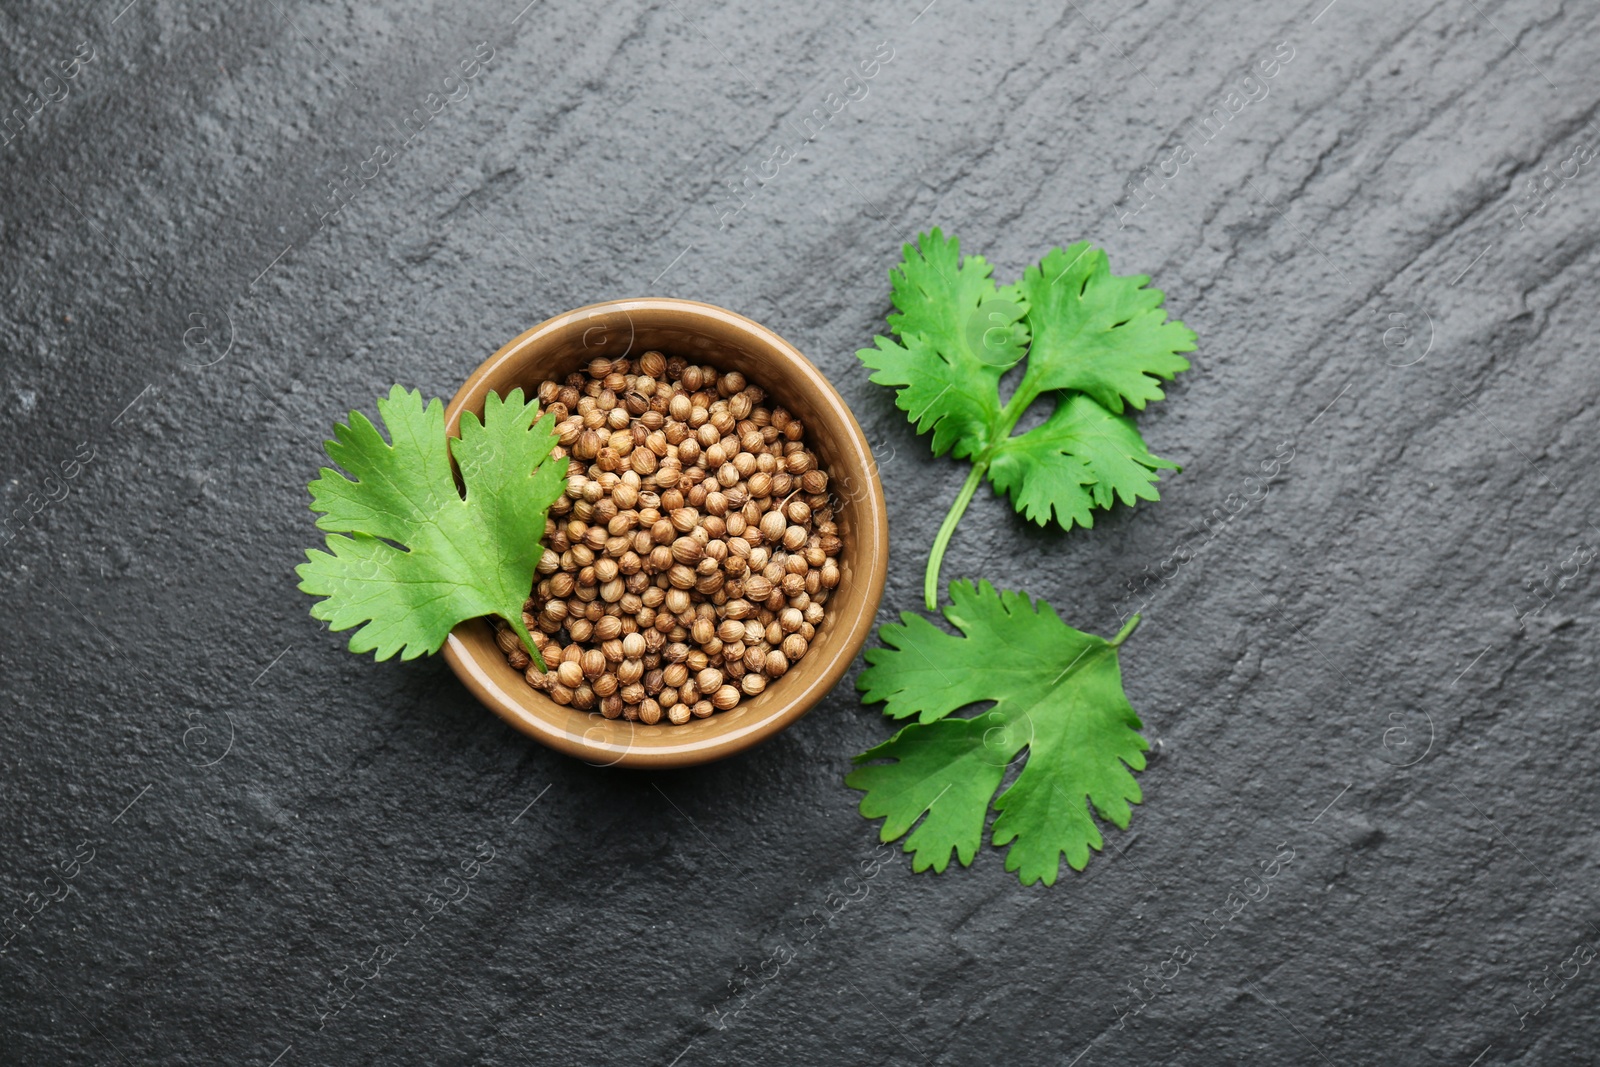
(700, 333)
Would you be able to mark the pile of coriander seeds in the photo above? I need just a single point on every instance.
(688, 563)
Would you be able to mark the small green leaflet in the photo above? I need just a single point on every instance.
(1057, 693)
(960, 335)
(410, 558)
(1081, 456)
(1098, 333)
(1095, 343)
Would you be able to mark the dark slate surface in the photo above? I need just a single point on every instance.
(1355, 667)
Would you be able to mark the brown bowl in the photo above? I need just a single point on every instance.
(707, 334)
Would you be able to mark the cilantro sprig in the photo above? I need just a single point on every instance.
(1097, 348)
(409, 557)
(1096, 344)
(1057, 693)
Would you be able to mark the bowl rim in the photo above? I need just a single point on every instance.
(871, 547)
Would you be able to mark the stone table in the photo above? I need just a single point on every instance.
(1370, 671)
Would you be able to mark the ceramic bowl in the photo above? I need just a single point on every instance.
(703, 334)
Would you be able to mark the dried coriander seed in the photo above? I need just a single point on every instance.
(690, 559)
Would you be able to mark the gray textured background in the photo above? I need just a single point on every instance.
(1353, 667)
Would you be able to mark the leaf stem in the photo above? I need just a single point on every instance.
(1126, 631)
(1009, 416)
(1027, 392)
(527, 639)
(930, 583)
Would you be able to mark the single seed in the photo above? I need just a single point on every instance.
(588, 445)
(687, 550)
(773, 526)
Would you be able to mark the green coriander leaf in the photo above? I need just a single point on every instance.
(1056, 692)
(1081, 457)
(958, 335)
(954, 304)
(1095, 342)
(959, 402)
(943, 770)
(419, 559)
(1098, 333)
